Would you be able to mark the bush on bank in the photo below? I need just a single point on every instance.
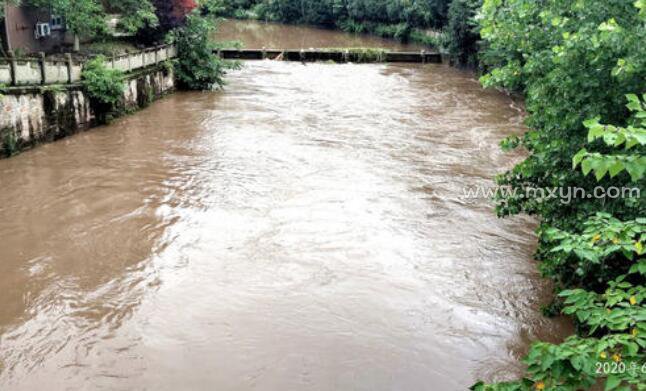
(402, 20)
(580, 66)
(197, 67)
(104, 87)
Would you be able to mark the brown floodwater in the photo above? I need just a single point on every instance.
(256, 35)
(304, 229)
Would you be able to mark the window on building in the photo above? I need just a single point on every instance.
(57, 22)
(42, 30)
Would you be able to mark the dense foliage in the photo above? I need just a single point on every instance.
(135, 14)
(579, 65)
(407, 20)
(401, 19)
(104, 87)
(462, 31)
(83, 17)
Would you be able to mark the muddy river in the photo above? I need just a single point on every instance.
(304, 229)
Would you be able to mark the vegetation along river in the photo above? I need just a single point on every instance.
(302, 229)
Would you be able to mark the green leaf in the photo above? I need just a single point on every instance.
(586, 166)
(616, 168)
(633, 102)
(576, 160)
(612, 382)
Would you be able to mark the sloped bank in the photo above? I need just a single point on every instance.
(31, 115)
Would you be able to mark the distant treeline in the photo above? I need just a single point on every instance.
(439, 23)
(414, 13)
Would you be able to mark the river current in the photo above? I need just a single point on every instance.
(303, 229)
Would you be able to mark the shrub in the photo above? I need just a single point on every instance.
(9, 142)
(104, 87)
(196, 66)
(576, 63)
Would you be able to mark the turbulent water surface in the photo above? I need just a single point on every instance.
(304, 229)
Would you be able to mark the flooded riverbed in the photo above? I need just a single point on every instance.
(302, 230)
(256, 35)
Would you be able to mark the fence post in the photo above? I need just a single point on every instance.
(43, 72)
(70, 66)
(129, 63)
(12, 67)
(423, 53)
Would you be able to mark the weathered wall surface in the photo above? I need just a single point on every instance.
(47, 70)
(32, 115)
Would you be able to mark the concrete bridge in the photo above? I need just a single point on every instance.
(335, 55)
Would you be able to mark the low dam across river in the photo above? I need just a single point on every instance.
(364, 55)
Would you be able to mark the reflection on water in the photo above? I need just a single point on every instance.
(300, 230)
(256, 35)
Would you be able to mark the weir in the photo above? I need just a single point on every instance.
(366, 55)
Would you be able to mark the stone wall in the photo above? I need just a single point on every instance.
(32, 115)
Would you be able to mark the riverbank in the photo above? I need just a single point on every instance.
(46, 101)
(256, 34)
(33, 114)
(402, 31)
(303, 223)
(43, 99)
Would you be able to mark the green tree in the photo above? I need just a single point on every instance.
(136, 14)
(196, 66)
(84, 18)
(87, 18)
(104, 87)
(576, 62)
(462, 31)
(393, 18)
(572, 61)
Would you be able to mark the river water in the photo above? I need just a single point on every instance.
(256, 35)
(301, 230)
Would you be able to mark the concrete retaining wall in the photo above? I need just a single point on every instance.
(31, 115)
